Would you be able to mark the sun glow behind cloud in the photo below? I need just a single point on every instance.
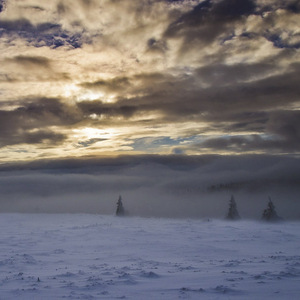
(94, 133)
(79, 94)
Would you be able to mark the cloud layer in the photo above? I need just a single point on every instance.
(140, 77)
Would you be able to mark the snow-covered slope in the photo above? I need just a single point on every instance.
(82, 256)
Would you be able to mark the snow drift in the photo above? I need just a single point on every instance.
(83, 256)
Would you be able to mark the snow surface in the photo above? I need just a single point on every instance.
(85, 256)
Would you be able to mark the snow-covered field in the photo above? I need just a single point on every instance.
(84, 256)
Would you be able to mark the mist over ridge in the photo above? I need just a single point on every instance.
(153, 185)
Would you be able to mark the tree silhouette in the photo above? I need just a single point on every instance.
(270, 214)
(120, 208)
(233, 213)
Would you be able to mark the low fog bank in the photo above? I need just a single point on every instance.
(161, 186)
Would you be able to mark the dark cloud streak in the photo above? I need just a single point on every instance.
(208, 20)
(30, 121)
(43, 34)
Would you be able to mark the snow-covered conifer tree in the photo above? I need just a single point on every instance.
(233, 213)
(120, 208)
(270, 214)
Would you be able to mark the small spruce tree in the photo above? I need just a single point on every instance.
(120, 208)
(233, 213)
(270, 214)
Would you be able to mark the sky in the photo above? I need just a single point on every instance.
(96, 80)
(148, 77)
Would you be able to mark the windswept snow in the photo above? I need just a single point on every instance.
(82, 256)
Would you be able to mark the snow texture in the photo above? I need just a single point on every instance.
(84, 256)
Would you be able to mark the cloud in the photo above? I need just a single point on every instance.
(89, 142)
(226, 100)
(233, 30)
(29, 122)
(280, 135)
(286, 124)
(282, 37)
(150, 76)
(43, 34)
(208, 20)
(222, 74)
(2, 5)
(110, 85)
(42, 136)
(270, 5)
(110, 110)
(157, 46)
(45, 137)
(240, 104)
(31, 61)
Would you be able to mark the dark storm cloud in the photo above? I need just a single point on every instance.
(249, 143)
(143, 81)
(293, 6)
(47, 137)
(208, 20)
(110, 85)
(281, 134)
(290, 5)
(179, 97)
(48, 111)
(42, 136)
(271, 93)
(107, 109)
(287, 125)
(42, 34)
(2, 5)
(251, 121)
(222, 21)
(32, 68)
(31, 61)
(28, 123)
(156, 46)
(222, 74)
